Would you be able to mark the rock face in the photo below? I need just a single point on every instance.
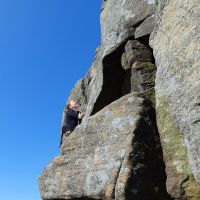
(137, 60)
(180, 181)
(111, 159)
(175, 42)
(119, 20)
(140, 137)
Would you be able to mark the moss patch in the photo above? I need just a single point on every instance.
(180, 180)
(143, 79)
(150, 95)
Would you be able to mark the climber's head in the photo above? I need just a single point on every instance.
(73, 105)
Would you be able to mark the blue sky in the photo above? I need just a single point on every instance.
(45, 47)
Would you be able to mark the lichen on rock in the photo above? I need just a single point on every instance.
(175, 42)
(180, 180)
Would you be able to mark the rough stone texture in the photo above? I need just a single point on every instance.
(137, 60)
(110, 159)
(176, 45)
(94, 92)
(135, 51)
(180, 180)
(143, 79)
(146, 27)
(116, 152)
(119, 19)
(118, 22)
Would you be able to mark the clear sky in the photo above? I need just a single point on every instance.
(45, 47)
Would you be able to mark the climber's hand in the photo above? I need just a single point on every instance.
(81, 115)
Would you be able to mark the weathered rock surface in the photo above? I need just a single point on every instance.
(117, 152)
(110, 159)
(138, 62)
(135, 51)
(180, 180)
(120, 18)
(143, 79)
(175, 42)
(146, 27)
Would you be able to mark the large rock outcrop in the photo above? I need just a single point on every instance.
(139, 138)
(110, 159)
(175, 42)
(119, 20)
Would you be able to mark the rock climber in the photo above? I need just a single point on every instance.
(71, 118)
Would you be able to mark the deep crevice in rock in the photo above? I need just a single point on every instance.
(145, 41)
(116, 80)
(148, 179)
(113, 77)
